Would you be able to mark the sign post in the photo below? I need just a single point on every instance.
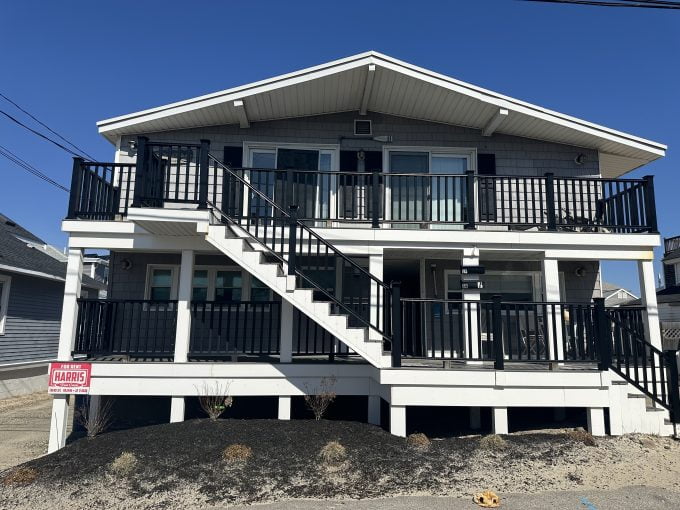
(69, 378)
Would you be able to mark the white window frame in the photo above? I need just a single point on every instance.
(4, 301)
(535, 280)
(174, 280)
(677, 273)
(470, 153)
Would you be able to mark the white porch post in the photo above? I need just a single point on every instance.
(284, 408)
(286, 344)
(67, 336)
(596, 421)
(177, 406)
(648, 300)
(551, 294)
(183, 332)
(470, 328)
(398, 420)
(499, 419)
(374, 409)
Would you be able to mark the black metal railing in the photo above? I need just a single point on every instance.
(223, 329)
(181, 173)
(303, 252)
(138, 328)
(470, 330)
(671, 244)
(310, 339)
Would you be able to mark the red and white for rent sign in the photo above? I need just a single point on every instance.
(69, 377)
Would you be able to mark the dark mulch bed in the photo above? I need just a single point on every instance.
(285, 460)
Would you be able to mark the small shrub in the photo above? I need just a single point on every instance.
(318, 399)
(418, 441)
(582, 436)
(20, 476)
(492, 442)
(124, 464)
(333, 453)
(236, 453)
(215, 400)
(95, 422)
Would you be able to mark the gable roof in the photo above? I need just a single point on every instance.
(22, 251)
(375, 82)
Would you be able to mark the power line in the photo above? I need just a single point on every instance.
(644, 4)
(30, 168)
(40, 134)
(45, 125)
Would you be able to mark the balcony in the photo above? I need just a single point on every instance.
(670, 245)
(189, 175)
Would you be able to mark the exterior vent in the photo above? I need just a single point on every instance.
(363, 128)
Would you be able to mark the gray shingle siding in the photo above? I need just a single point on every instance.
(33, 316)
(514, 155)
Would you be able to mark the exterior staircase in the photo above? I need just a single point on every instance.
(633, 412)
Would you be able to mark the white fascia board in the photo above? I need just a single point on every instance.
(396, 65)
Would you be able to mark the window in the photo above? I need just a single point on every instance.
(161, 284)
(228, 286)
(4, 301)
(199, 286)
(511, 285)
(259, 291)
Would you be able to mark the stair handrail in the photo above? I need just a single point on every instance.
(668, 380)
(379, 283)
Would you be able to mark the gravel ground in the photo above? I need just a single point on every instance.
(180, 466)
(24, 428)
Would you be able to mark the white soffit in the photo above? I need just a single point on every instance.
(396, 88)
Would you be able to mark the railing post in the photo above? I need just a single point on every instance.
(396, 324)
(497, 325)
(671, 362)
(470, 198)
(76, 179)
(290, 192)
(604, 335)
(141, 171)
(550, 200)
(292, 239)
(375, 200)
(203, 174)
(650, 204)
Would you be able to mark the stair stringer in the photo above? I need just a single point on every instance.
(270, 274)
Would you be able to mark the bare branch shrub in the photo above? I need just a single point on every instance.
(95, 421)
(318, 399)
(20, 476)
(418, 441)
(492, 442)
(236, 453)
(124, 464)
(333, 452)
(214, 400)
(582, 436)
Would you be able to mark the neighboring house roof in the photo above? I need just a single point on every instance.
(378, 83)
(612, 294)
(23, 252)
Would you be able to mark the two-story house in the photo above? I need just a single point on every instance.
(423, 241)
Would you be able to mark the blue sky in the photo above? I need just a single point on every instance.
(72, 63)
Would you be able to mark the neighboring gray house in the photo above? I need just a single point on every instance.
(32, 277)
(615, 295)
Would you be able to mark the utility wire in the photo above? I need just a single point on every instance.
(40, 134)
(45, 126)
(29, 168)
(644, 4)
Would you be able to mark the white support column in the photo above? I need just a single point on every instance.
(648, 300)
(470, 328)
(177, 406)
(374, 409)
(398, 420)
(284, 408)
(499, 419)
(615, 408)
(67, 336)
(183, 330)
(596, 421)
(475, 418)
(551, 294)
(375, 267)
(286, 347)
(69, 310)
(58, 423)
